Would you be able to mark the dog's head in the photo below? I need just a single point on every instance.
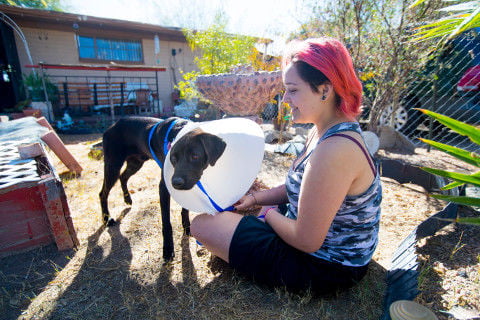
(191, 155)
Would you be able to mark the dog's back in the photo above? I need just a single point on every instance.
(128, 135)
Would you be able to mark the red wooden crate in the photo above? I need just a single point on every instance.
(33, 206)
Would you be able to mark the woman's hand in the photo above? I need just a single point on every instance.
(245, 202)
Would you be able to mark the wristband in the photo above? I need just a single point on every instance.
(266, 212)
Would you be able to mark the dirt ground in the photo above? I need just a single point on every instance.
(118, 273)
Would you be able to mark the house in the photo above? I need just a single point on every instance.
(77, 50)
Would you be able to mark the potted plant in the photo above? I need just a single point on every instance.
(33, 84)
(34, 87)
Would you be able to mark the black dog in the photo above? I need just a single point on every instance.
(132, 140)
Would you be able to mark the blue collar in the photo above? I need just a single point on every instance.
(165, 142)
(165, 151)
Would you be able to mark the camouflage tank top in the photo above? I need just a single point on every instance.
(353, 234)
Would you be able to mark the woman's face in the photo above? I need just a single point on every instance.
(304, 102)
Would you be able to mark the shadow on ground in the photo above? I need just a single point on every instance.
(106, 287)
(23, 277)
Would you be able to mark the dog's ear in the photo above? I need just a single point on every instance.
(213, 145)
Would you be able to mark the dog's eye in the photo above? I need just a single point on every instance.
(173, 159)
(195, 157)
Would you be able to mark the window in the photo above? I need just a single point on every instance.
(109, 49)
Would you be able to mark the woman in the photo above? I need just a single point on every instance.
(327, 235)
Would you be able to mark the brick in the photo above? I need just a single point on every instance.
(30, 150)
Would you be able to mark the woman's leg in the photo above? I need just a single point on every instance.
(215, 232)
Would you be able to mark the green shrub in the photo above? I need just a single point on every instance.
(472, 158)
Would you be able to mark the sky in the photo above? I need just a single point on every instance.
(273, 19)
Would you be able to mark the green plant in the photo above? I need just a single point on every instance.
(33, 84)
(463, 16)
(40, 4)
(283, 116)
(218, 51)
(19, 106)
(472, 158)
(187, 87)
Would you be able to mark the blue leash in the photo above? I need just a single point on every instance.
(165, 151)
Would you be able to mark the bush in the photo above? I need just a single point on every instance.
(466, 156)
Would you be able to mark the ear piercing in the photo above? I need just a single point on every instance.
(324, 97)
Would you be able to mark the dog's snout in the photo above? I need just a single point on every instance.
(178, 182)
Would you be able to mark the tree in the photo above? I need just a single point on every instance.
(39, 4)
(377, 35)
(217, 52)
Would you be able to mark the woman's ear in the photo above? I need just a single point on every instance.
(325, 90)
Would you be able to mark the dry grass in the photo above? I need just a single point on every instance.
(118, 273)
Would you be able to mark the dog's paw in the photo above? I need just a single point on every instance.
(111, 222)
(168, 255)
(167, 260)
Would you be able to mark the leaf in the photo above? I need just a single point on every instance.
(466, 24)
(469, 220)
(457, 184)
(416, 3)
(452, 185)
(435, 32)
(464, 155)
(472, 5)
(467, 201)
(460, 177)
(457, 126)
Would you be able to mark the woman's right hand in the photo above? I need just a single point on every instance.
(245, 202)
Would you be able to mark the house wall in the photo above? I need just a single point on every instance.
(59, 47)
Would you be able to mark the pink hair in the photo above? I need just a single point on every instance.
(331, 57)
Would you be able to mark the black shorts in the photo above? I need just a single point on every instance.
(258, 252)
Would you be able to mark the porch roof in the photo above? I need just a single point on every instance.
(69, 21)
(112, 67)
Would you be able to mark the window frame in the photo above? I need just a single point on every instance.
(95, 37)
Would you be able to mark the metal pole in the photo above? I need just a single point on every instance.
(110, 96)
(435, 87)
(158, 93)
(47, 101)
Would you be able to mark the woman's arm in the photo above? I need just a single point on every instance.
(273, 196)
(328, 177)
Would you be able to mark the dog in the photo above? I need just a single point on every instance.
(135, 140)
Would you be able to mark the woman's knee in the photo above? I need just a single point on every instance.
(199, 224)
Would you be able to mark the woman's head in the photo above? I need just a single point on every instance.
(326, 60)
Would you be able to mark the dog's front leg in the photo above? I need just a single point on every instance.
(166, 224)
(185, 221)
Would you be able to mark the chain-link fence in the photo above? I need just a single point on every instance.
(447, 83)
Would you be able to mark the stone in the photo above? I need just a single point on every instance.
(392, 139)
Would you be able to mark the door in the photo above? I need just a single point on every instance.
(7, 95)
(10, 72)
